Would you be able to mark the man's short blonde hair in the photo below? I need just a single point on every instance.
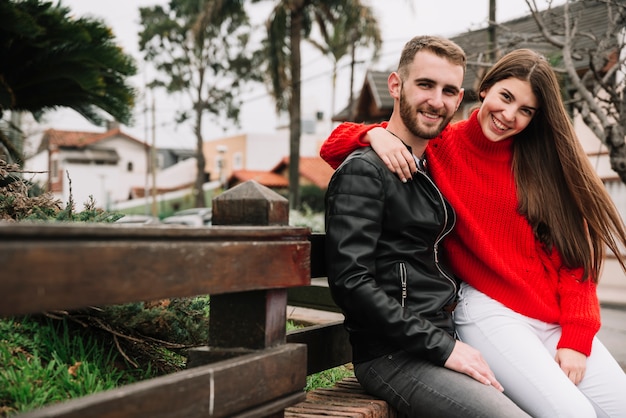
(439, 46)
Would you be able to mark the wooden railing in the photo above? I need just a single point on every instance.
(246, 262)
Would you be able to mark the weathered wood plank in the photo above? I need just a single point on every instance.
(273, 409)
(346, 399)
(47, 268)
(328, 345)
(314, 296)
(263, 311)
(318, 255)
(38, 231)
(236, 386)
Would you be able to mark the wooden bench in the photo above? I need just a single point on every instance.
(346, 399)
(246, 261)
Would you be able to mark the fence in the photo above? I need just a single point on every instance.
(246, 261)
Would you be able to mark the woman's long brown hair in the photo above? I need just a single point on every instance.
(558, 190)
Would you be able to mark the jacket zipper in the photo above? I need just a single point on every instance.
(442, 233)
(403, 282)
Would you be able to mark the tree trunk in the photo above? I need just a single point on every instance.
(200, 162)
(294, 109)
(351, 112)
(617, 150)
(332, 95)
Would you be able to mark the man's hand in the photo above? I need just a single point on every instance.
(393, 152)
(572, 363)
(466, 359)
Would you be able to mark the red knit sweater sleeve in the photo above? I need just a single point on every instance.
(344, 139)
(580, 308)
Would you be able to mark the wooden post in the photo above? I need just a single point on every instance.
(255, 319)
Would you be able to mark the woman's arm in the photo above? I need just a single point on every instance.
(349, 136)
(393, 152)
(344, 139)
(580, 319)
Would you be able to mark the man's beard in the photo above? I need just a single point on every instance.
(408, 114)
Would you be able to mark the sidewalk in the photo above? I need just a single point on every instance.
(612, 295)
(613, 331)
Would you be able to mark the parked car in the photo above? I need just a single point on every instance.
(191, 217)
(138, 220)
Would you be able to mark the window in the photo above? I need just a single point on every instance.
(129, 166)
(217, 164)
(160, 161)
(238, 161)
(54, 167)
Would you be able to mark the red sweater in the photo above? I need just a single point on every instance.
(493, 247)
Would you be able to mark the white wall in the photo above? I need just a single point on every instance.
(103, 182)
(265, 151)
(38, 163)
(178, 174)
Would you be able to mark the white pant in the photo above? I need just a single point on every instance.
(521, 352)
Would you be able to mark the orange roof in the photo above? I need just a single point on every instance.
(314, 169)
(79, 139)
(266, 178)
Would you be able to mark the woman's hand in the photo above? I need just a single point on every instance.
(572, 363)
(393, 152)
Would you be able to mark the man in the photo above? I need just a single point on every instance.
(382, 238)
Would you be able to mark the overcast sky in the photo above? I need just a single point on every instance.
(399, 19)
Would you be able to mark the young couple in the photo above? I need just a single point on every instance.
(508, 201)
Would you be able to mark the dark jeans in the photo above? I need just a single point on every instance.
(418, 388)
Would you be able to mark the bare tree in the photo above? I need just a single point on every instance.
(200, 49)
(594, 60)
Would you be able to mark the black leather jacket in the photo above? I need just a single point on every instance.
(382, 242)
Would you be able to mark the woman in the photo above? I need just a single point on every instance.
(533, 222)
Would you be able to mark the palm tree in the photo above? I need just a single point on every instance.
(290, 22)
(354, 25)
(50, 60)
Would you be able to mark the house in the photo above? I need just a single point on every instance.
(275, 181)
(104, 166)
(373, 104)
(313, 171)
(254, 151)
(167, 157)
(173, 178)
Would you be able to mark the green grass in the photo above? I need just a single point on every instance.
(326, 378)
(47, 361)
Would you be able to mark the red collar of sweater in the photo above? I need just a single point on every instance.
(471, 134)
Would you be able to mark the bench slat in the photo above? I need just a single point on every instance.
(346, 399)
